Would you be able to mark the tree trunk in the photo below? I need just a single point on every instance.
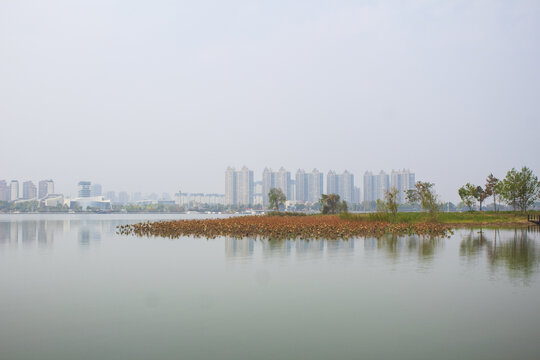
(494, 201)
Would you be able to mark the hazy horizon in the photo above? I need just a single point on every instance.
(162, 96)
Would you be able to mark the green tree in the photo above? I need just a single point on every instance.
(467, 193)
(344, 206)
(491, 189)
(331, 204)
(424, 195)
(391, 198)
(276, 197)
(520, 188)
(480, 195)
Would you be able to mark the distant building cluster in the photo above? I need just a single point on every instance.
(11, 192)
(307, 187)
(238, 186)
(376, 186)
(198, 199)
(304, 187)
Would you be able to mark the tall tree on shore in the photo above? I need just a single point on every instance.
(331, 204)
(520, 188)
(480, 195)
(491, 189)
(391, 198)
(424, 195)
(276, 197)
(468, 195)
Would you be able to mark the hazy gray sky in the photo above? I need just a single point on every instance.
(164, 95)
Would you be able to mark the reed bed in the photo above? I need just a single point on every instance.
(279, 227)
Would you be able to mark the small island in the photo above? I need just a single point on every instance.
(284, 226)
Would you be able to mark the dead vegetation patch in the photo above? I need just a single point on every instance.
(279, 227)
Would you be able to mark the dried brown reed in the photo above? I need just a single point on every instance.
(279, 227)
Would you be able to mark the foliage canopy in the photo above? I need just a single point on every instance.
(276, 197)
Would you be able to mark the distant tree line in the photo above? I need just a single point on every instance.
(519, 189)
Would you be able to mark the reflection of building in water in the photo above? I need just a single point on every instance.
(29, 231)
(4, 232)
(88, 234)
(238, 247)
(45, 232)
(276, 247)
(14, 233)
(309, 246)
(334, 246)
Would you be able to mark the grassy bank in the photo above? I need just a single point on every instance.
(476, 218)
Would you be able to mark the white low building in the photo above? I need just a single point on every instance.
(90, 203)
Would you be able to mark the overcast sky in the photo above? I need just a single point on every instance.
(158, 96)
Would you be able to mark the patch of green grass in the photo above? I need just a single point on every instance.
(464, 218)
(285, 213)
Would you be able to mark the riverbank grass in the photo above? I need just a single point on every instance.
(452, 218)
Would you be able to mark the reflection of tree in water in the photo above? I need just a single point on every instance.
(395, 246)
(235, 247)
(245, 247)
(472, 244)
(519, 255)
(517, 252)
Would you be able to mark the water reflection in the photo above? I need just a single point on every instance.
(43, 232)
(29, 232)
(516, 251)
(247, 247)
(238, 247)
(424, 247)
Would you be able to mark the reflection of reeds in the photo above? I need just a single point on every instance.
(279, 227)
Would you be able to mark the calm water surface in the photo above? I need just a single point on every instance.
(73, 289)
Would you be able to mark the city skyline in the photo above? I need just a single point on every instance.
(360, 190)
(307, 187)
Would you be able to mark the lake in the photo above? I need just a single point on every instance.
(71, 288)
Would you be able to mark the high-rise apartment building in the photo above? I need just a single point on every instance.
(369, 187)
(309, 186)
(13, 190)
(136, 196)
(402, 181)
(382, 185)
(301, 186)
(315, 186)
(341, 184)
(244, 186)
(346, 187)
(280, 179)
(123, 197)
(230, 186)
(4, 191)
(29, 190)
(45, 187)
(111, 195)
(84, 189)
(332, 182)
(376, 186)
(96, 190)
(238, 186)
(267, 184)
